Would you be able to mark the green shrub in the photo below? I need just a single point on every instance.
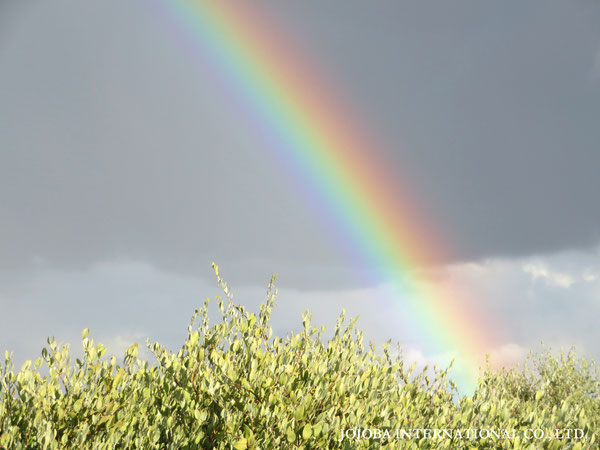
(234, 385)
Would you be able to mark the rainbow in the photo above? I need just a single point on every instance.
(313, 128)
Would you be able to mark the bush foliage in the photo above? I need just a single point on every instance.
(234, 385)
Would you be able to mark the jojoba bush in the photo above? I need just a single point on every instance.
(234, 385)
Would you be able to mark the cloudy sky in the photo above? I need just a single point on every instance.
(124, 170)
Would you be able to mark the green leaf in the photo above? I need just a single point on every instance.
(307, 431)
(291, 436)
(241, 444)
(317, 429)
(299, 413)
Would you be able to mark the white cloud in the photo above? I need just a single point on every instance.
(540, 270)
(508, 355)
(589, 276)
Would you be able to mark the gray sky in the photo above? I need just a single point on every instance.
(494, 106)
(124, 171)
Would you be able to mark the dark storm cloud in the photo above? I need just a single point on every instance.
(492, 106)
(115, 142)
(115, 145)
